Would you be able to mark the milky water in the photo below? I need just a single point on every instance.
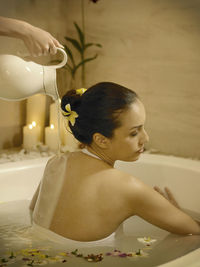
(16, 234)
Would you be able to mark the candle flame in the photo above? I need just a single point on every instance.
(52, 126)
(34, 123)
(30, 126)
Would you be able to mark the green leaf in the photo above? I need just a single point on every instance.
(75, 43)
(69, 53)
(83, 62)
(12, 255)
(74, 252)
(99, 45)
(91, 44)
(80, 34)
(70, 69)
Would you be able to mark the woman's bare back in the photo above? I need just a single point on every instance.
(91, 205)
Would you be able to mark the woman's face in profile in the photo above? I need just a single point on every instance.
(128, 141)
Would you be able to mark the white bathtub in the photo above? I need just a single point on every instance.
(18, 181)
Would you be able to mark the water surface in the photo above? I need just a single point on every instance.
(16, 235)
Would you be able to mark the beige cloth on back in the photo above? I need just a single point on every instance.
(50, 189)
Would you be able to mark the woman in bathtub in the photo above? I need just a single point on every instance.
(82, 196)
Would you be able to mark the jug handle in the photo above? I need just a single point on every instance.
(63, 62)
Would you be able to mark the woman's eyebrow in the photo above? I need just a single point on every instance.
(136, 127)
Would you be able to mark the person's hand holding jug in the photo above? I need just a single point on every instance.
(37, 41)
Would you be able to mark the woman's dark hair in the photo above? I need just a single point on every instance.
(98, 109)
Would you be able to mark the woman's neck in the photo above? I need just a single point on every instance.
(101, 155)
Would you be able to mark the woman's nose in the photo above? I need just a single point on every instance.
(144, 137)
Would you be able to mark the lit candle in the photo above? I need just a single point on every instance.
(31, 135)
(35, 111)
(51, 138)
(53, 115)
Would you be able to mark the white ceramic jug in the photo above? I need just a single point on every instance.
(20, 79)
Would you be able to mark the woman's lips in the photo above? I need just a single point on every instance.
(141, 150)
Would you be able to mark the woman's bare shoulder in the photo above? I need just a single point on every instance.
(127, 178)
(127, 183)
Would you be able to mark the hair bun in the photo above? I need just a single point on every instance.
(72, 98)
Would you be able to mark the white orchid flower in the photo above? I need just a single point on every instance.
(146, 240)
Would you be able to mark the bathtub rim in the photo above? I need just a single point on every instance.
(147, 158)
(23, 164)
(189, 260)
(167, 160)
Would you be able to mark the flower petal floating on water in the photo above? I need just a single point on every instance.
(55, 259)
(40, 262)
(34, 257)
(137, 254)
(94, 258)
(146, 240)
(65, 254)
(118, 253)
(30, 252)
(123, 255)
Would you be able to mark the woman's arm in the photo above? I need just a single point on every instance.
(38, 41)
(168, 195)
(156, 209)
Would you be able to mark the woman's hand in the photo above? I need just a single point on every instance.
(168, 195)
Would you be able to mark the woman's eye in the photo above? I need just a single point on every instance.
(134, 134)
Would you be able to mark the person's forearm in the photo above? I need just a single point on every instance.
(12, 27)
(38, 41)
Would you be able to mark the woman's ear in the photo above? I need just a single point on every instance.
(100, 140)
